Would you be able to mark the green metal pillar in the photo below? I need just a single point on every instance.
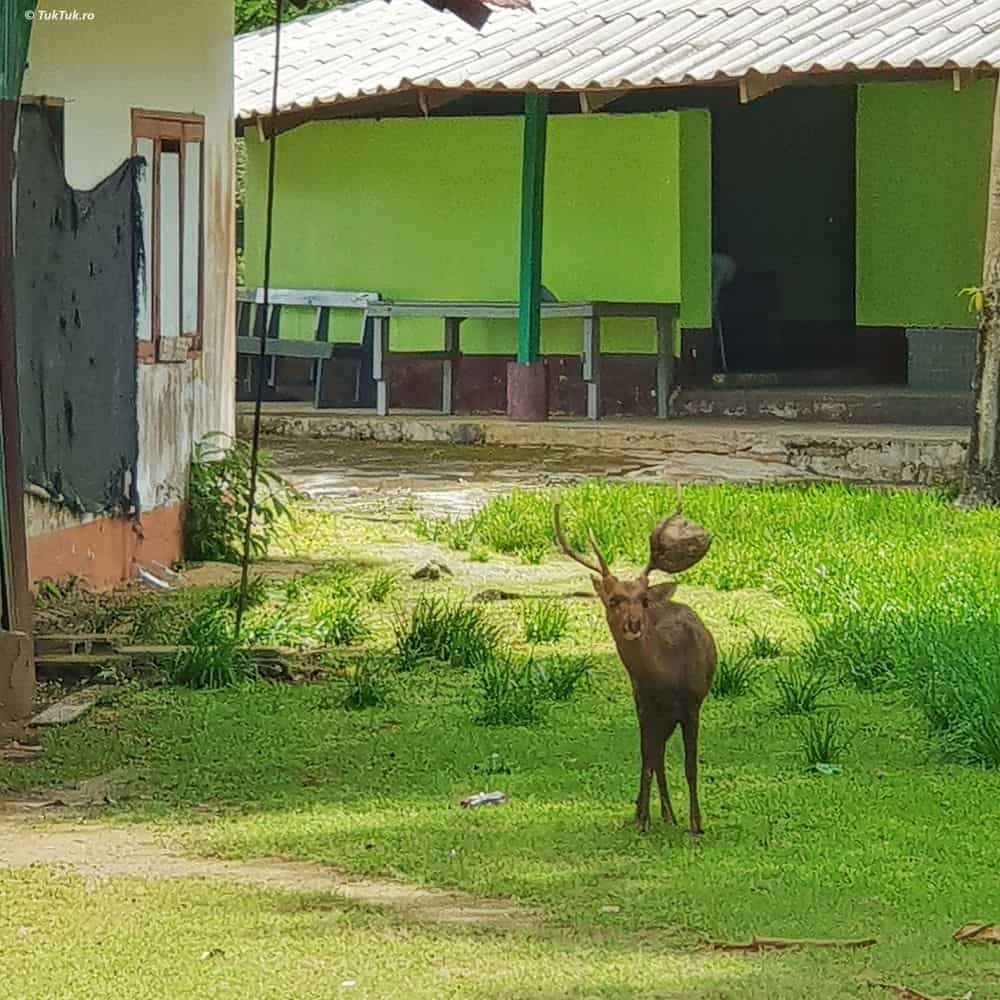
(529, 329)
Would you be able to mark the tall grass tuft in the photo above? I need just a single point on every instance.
(822, 739)
(763, 647)
(338, 621)
(559, 677)
(209, 656)
(447, 631)
(508, 693)
(801, 690)
(367, 684)
(735, 674)
(544, 621)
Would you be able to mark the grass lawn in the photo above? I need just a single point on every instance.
(901, 844)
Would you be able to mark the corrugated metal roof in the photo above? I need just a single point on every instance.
(373, 47)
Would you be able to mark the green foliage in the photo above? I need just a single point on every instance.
(229, 595)
(801, 691)
(559, 677)
(339, 621)
(508, 693)
(763, 646)
(252, 15)
(822, 739)
(367, 684)
(209, 656)
(219, 498)
(735, 674)
(956, 685)
(381, 585)
(439, 629)
(544, 621)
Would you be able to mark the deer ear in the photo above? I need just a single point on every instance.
(662, 592)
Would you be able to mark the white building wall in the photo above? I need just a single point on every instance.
(158, 56)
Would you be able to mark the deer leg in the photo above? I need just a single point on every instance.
(689, 727)
(645, 781)
(666, 807)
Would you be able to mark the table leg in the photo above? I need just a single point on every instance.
(380, 354)
(451, 342)
(592, 365)
(664, 362)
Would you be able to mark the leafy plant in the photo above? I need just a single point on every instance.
(558, 677)
(209, 656)
(735, 674)
(381, 585)
(367, 684)
(544, 621)
(822, 739)
(229, 595)
(763, 647)
(438, 629)
(339, 621)
(801, 691)
(508, 693)
(219, 498)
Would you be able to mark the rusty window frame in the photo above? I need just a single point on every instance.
(180, 128)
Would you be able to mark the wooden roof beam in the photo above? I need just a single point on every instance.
(594, 100)
(752, 87)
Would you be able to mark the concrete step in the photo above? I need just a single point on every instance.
(877, 405)
(79, 668)
(84, 643)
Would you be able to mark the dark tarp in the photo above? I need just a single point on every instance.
(78, 257)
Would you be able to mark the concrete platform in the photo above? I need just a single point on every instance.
(691, 450)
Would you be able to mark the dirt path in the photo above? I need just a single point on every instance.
(105, 852)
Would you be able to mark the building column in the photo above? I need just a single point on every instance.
(527, 386)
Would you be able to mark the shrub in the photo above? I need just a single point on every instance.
(822, 739)
(558, 677)
(219, 498)
(367, 684)
(801, 691)
(735, 674)
(338, 621)
(544, 621)
(438, 629)
(508, 693)
(956, 685)
(209, 656)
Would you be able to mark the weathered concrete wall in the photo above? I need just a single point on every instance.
(174, 57)
(695, 450)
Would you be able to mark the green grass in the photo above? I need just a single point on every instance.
(735, 674)
(888, 600)
(544, 621)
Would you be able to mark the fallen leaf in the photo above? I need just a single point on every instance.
(757, 944)
(988, 933)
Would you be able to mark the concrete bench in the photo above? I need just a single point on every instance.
(590, 314)
(252, 324)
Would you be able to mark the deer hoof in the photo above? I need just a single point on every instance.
(697, 831)
(642, 824)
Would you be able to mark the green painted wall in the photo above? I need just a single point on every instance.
(429, 209)
(923, 156)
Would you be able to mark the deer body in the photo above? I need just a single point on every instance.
(670, 658)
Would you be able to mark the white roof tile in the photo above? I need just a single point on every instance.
(374, 47)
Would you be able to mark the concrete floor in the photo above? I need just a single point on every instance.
(342, 453)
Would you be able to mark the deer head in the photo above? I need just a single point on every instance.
(627, 603)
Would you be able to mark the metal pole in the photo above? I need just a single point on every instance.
(265, 303)
(529, 329)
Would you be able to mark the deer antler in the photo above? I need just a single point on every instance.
(602, 569)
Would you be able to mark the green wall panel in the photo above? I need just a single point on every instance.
(923, 155)
(429, 209)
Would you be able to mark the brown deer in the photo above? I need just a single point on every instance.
(670, 658)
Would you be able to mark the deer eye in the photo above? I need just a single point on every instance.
(615, 602)
(645, 600)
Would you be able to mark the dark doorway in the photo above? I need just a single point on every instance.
(784, 208)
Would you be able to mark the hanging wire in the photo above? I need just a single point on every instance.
(262, 357)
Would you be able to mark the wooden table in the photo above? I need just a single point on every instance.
(589, 313)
